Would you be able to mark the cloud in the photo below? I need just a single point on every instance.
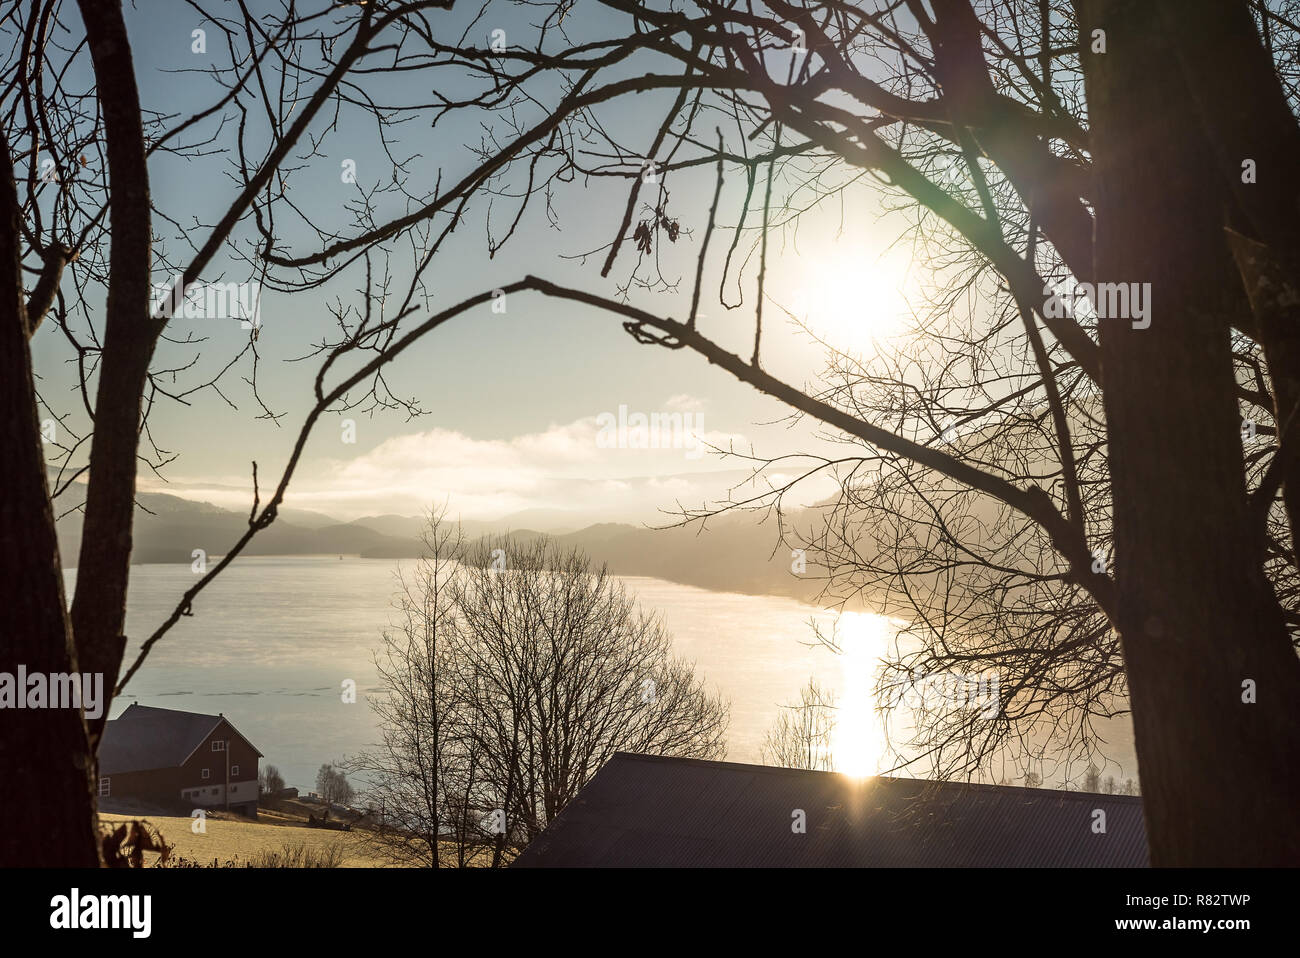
(682, 403)
(563, 467)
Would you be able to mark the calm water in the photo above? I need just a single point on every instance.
(273, 638)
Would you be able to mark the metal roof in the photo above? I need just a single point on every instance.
(647, 811)
(144, 738)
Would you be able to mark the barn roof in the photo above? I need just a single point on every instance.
(643, 810)
(144, 737)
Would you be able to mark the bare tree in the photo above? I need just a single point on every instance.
(333, 787)
(425, 776)
(801, 735)
(516, 674)
(565, 670)
(272, 782)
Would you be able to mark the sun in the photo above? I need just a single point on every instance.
(853, 299)
(858, 742)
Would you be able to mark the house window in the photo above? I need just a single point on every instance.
(215, 790)
(234, 770)
(104, 788)
(206, 774)
(218, 746)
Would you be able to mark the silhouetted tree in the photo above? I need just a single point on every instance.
(515, 675)
(801, 736)
(427, 773)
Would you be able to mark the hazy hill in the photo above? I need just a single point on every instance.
(733, 553)
(173, 528)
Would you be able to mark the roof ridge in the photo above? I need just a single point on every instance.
(887, 780)
(159, 708)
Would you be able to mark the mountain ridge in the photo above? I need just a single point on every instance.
(729, 555)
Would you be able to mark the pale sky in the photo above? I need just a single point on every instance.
(514, 401)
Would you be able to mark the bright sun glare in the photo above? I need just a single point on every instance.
(852, 300)
(858, 742)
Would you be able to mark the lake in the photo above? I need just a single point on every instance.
(273, 638)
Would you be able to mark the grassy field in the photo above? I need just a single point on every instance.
(243, 840)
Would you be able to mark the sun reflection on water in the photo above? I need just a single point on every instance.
(859, 741)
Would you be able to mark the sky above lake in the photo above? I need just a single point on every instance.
(514, 400)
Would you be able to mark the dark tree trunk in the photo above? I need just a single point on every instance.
(1195, 613)
(1249, 119)
(99, 605)
(47, 756)
(45, 768)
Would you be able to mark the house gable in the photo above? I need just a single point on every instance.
(223, 730)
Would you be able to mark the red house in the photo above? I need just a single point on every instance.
(182, 760)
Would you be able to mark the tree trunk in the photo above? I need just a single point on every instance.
(99, 605)
(1257, 127)
(1198, 620)
(47, 756)
(45, 767)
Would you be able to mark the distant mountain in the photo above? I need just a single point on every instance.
(308, 519)
(172, 528)
(732, 553)
(552, 522)
(401, 527)
(548, 521)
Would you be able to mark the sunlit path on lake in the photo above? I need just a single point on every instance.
(858, 743)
